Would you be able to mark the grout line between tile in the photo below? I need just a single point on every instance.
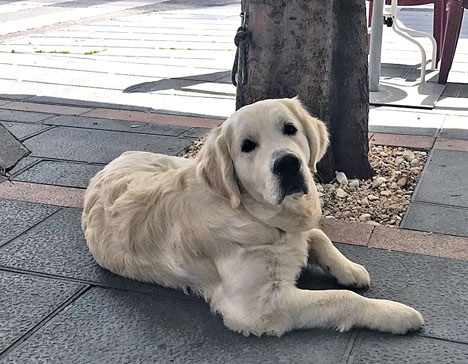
(439, 204)
(348, 357)
(26, 167)
(442, 339)
(370, 236)
(43, 322)
(37, 133)
(33, 226)
(118, 131)
(189, 296)
(92, 109)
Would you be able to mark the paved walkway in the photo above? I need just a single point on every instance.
(58, 306)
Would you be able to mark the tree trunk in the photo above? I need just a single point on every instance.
(317, 50)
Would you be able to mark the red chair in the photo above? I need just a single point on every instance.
(448, 16)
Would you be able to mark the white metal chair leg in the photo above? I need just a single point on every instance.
(402, 32)
(421, 48)
(434, 43)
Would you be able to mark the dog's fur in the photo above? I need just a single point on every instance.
(229, 226)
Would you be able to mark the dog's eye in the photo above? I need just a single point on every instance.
(289, 129)
(248, 146)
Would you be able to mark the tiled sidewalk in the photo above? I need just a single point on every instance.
(58, 306)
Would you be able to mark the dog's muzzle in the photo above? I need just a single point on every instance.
(287, 169)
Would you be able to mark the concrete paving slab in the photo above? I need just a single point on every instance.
(118, 125)
(407, 141)
(378, 348)
(73, 78)
(59, 173)
(419, 242)
(455, 127)
(342, 231)
(451, 144)
(166, 101)
(435, 286)
(11, 150)
(442, 179)
(403, 130)
(14, 97)
(118, 33)
(393, 121)
(18, 15)
(26, 300)
(98, 146)
(196, 133)
(400, 92)
(23, 164)
(91, 104)
(441, 219)
(23, 116)
(64, 15)
(46, 194)
(191, 84)
(23, 130)
(19, 216)
(107, 65)
(57, 247)
(45, 108)
(121, 327)
(121, 41)
(155, 118)
(456, 103)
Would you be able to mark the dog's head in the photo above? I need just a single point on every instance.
(265, 150)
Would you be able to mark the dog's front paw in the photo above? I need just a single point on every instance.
(395, 317)
(351, 274)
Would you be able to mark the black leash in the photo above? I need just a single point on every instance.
(241, 40)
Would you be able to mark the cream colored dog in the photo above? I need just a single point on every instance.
(236, 225)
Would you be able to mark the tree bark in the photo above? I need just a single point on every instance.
(317, 50)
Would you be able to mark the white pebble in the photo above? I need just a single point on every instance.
(386, 193)
(408, 155)
(372, 198)
(378, 182)
(414, 162)
(341, 193)
(364, 217)
(354, 183)
(402, 181)
(341, 178)
(399, 160)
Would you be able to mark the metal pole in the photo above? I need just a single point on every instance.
(375, 51)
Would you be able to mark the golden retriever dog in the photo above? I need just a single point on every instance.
(235, 225)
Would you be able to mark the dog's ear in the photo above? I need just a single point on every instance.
(315, 130)
(215, 167)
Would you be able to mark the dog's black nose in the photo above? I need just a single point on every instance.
(287, 165)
